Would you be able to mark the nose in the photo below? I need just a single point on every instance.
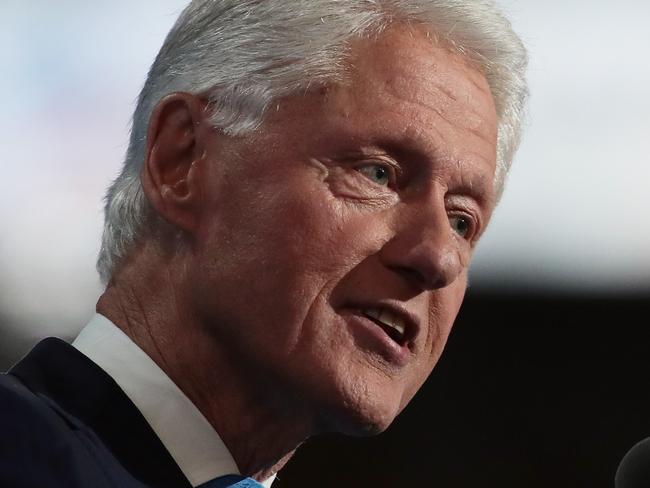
(425, 250)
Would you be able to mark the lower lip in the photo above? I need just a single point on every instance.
(372, 337)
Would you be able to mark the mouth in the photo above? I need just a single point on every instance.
(392, 324)
(385, 329)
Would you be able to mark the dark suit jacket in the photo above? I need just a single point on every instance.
(65, 423)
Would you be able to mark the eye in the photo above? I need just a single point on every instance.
(378, 173)
(462, 225)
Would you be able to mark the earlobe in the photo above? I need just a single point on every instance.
(173, 152)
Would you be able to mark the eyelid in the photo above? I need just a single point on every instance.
(395, 170)
(472, 232)
(473, 215)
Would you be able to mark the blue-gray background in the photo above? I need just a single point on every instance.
(565, 265)
(574, 216)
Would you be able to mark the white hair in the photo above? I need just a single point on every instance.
(244, 54)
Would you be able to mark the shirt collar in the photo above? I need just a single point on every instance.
(184, 431)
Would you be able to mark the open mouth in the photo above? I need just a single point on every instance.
(389, 322)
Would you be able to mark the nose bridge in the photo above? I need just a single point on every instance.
(424, 247)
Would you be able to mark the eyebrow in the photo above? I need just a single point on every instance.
(479, 187)
(477, 184)
(411, 154)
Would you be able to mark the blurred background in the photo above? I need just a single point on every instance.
(546, 379)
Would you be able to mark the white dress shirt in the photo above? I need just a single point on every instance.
(184, 431)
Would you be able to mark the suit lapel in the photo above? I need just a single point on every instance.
(85, 395)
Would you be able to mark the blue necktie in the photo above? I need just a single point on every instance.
(231, 481)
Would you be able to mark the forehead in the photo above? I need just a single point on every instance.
(402, 91)
(439, 98)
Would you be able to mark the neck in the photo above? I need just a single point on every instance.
(259, 422)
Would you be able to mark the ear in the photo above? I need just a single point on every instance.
(173, 150)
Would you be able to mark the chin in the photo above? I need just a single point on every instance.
(362, 419)
(364, 425)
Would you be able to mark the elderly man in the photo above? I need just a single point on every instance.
(287, 246)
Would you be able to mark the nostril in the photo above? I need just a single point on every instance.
(413, 275)
(418, 279)
(426, 256)
(429, 273)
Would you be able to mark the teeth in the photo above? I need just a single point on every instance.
(388, 318)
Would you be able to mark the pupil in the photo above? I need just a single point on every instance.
(380, 173)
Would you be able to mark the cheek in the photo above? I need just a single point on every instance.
(326, 236)
(285, 249)
(275, 254)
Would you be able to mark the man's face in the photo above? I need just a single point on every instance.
(332, 252)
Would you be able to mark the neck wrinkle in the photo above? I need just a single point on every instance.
(260, 424)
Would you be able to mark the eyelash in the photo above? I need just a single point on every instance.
(391, 169)
(470, 222)
(473, 224)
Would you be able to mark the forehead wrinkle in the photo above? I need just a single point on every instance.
(432, 141)
(425, 65)
(460, 114)
(437, 141)
(467, 77)
(489, 139)
(480, 84)
(429, 142)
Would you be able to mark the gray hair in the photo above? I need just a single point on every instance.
(244, 54)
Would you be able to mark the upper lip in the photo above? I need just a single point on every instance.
(412, 323)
